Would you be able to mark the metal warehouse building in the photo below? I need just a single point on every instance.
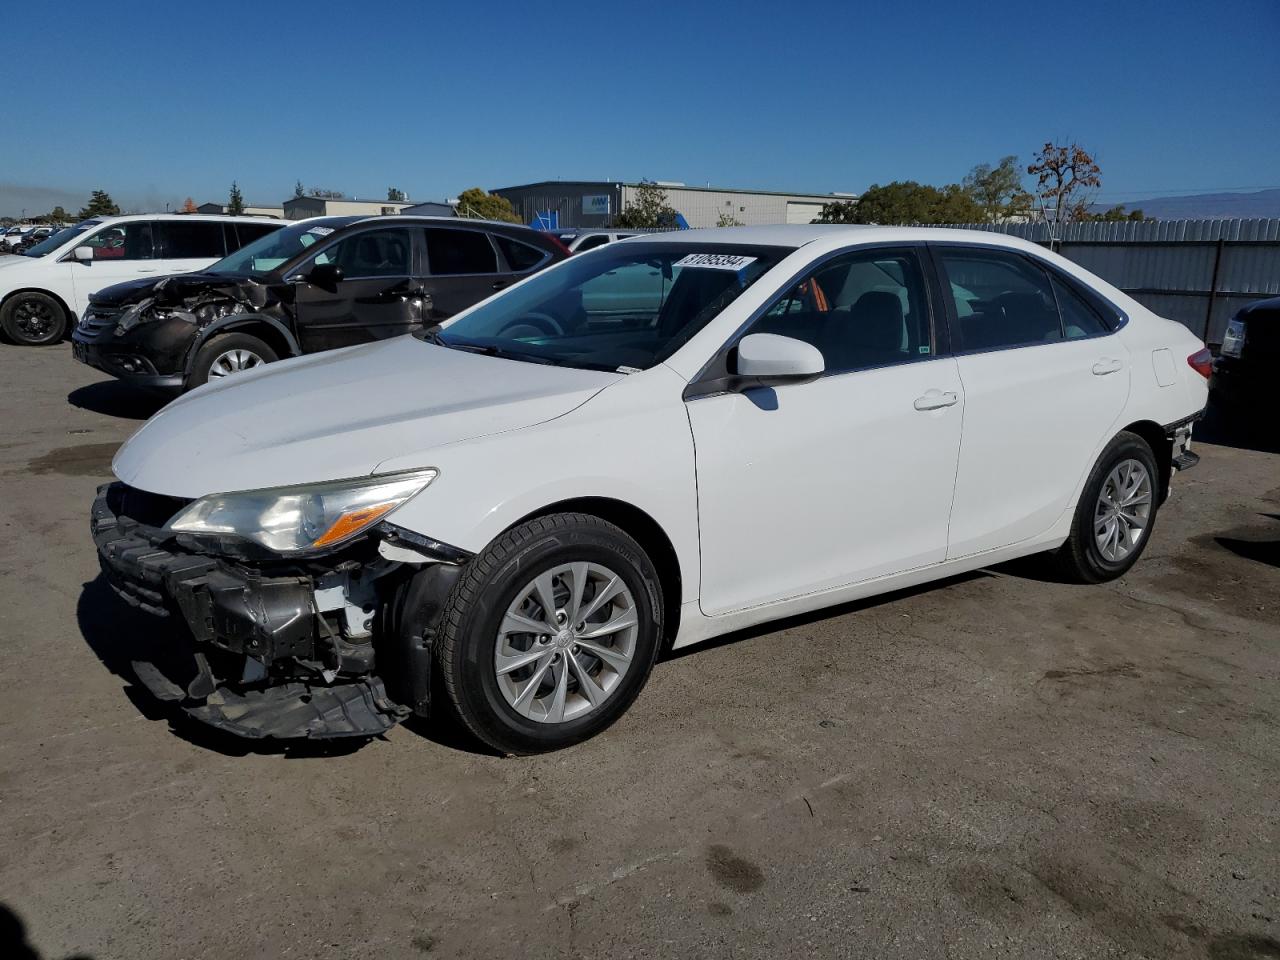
(594, 203)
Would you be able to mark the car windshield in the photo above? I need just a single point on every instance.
(51, 243)
(259, 258)
(624, 307)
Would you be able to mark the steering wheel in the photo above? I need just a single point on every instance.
(539, 323)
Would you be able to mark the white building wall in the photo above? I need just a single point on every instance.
(703, 208)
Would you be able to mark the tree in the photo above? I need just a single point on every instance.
(478, 204)
(235, 202)
(56, 215)
(395, 195)
(905, 201)
(998, 190)
(298, 192)
(839, 211)
(100, 205)
(649, 209)
(326, 194)
(728, 220)
(189, 206)
(1066, 179)
(1116, 213)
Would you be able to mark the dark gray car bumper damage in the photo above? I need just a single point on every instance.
(261, 659)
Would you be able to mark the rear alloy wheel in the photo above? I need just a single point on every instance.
(1116, 512)
(227, 354)
(550, 633)
(33, 319)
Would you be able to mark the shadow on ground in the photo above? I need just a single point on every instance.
(13, 939)
(115, 399)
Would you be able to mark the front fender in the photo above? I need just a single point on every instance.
(236, 320)
(630, 443)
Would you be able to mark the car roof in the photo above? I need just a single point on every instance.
(222, 218)
(795, 235)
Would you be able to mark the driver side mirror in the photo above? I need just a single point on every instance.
(83, 254)
(326, 276)
(766, 360)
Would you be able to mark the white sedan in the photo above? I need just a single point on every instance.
(533, 500)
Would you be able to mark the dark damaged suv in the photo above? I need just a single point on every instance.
(316, 285)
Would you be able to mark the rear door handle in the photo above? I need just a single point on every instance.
(1105, 366)
(499, 284)
(936, 400)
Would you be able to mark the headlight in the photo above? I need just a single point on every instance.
(305, 518)
(1233, 339)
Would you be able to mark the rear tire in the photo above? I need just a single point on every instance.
(226, 354)
(33, 319)
(589, 675)
(1116, 513)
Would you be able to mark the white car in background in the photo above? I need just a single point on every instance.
(532, 501)
(47, 286)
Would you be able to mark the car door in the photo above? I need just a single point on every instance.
(377, 297)
(1044, 385)
(808, 487)
(121, 251)
(462, 269)
(188, 245)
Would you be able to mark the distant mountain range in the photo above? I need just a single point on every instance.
(1262, 203)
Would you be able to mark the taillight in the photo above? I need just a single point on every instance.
(559, 243)
(1201, 362)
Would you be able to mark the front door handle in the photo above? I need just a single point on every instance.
(499, 284)
(936, 400)
(1105, 366)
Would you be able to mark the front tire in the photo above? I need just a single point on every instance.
(33, 319)
(227, 354)
(1116, 513)
(550, 634)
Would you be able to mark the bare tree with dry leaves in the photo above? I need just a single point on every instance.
(1067, 178)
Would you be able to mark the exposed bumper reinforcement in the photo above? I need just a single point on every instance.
(240, 625)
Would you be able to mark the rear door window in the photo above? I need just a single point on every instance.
(1079, 320)
(599, 240)
(520, 256)
(1001, 299)
(451, 252)
(191, 240)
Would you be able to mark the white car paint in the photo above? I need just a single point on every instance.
(72, 281)
(850, 485)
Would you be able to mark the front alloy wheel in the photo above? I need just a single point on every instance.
(550, 632)
(566, 642)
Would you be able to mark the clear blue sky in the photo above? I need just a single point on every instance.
(157, 101)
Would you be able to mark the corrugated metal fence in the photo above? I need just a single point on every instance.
(1198, 272)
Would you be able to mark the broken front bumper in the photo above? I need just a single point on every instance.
(266, 655)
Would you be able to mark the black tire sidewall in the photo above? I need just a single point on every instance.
(475, 681)
(1126, 446)
(8, 319)
(220, 343)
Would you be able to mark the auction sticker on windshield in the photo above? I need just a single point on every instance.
(715, 261)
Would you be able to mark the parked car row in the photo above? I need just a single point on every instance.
(314, 285)
(656, 442)
(19, 238)
(44, 290)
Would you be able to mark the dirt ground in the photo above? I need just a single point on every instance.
(993, 766)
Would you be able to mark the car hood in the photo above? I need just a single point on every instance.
(340, 414)
(180, 289)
